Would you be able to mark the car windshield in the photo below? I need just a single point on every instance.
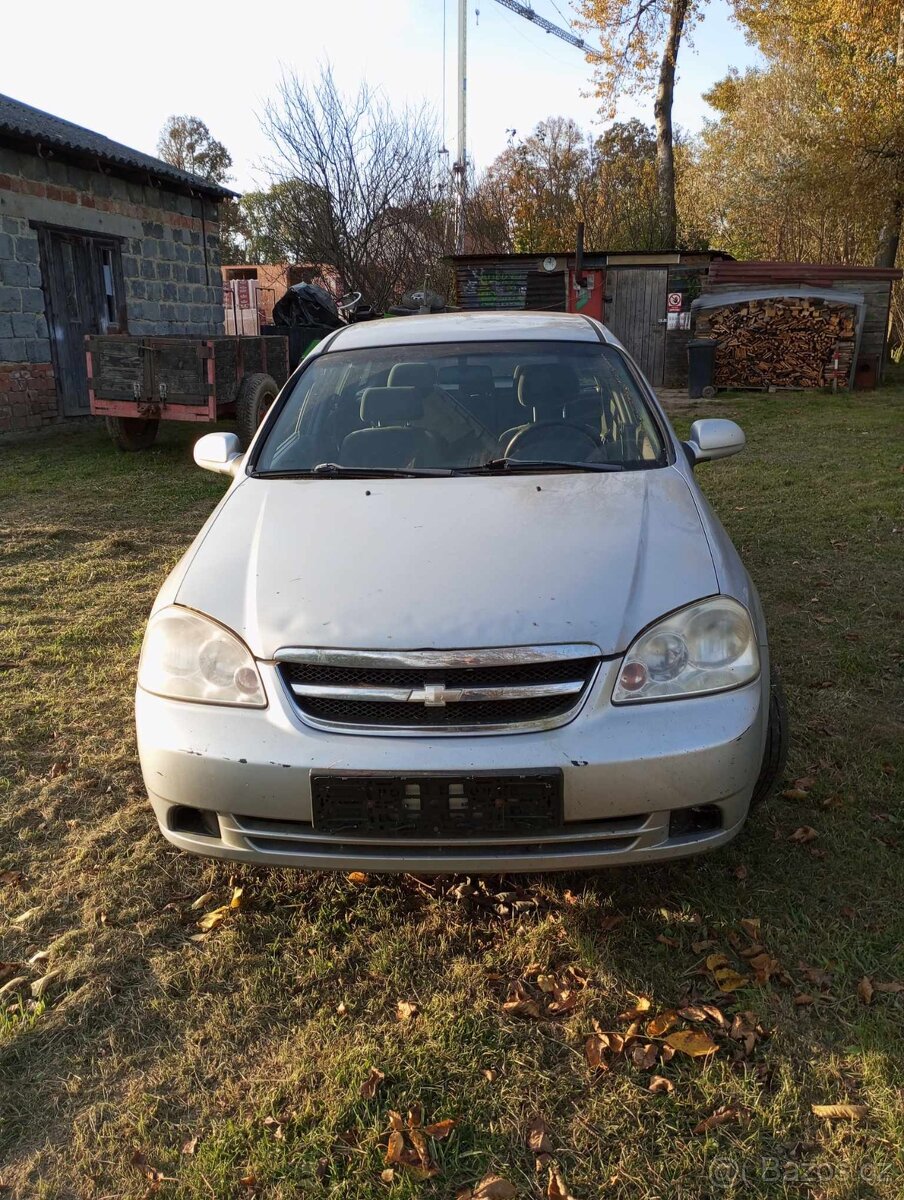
(462, 408)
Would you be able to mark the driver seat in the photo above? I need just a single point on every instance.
(545, 389)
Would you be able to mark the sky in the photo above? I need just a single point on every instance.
(122, 69)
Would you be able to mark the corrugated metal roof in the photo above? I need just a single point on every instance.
(22, 122)
(809, 273)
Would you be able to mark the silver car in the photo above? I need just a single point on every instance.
(462, 608)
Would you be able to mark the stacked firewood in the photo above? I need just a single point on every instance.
(782, 342)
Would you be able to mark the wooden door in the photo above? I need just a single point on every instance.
(84, 292)
(636, 313)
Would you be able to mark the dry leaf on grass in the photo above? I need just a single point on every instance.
(803, 999)
(803, 835)
(751, 926)
(491, 1187)
(358, 878)
(371, 1083)
(659, 1084)
(728, 1112)
(520, 1003)
(840, 1112)
(440, 1129)
(11, 878)
(537, 1136)
(642, 1006)
(662, 1023)
(40, 986)
(693, 1042)
(726, 977)
(556, 1188)
(865, 990)
(190, 1145)
(202, 900)
(888, 988)
(645, 1055)
(406, 1010)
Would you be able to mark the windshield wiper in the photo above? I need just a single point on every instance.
(331, 470)
(498, 466)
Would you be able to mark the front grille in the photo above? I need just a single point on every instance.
(486, 690)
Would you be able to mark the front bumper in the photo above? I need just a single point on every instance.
(625, 770)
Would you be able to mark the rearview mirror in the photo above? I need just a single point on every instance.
(218, 452)
(713, 438)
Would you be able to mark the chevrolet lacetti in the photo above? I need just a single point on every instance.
(463, 607)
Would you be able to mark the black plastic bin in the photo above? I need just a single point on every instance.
(301, 338)
(701, 363)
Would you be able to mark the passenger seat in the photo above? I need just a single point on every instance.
(390, 440)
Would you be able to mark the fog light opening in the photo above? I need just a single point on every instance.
(687, 822)
(199, 822)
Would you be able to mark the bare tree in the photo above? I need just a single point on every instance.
(371, 177)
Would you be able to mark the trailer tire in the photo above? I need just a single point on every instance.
(256, 393)
(132, 433)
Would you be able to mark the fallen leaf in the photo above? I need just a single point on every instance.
(538, 1139)
(371, 1083)
(275, 1126)
(406, 1010)
(440, 1129)
(806, 833)
(751, 926)
(659, 1084)
(840, 1112)
(794, 794)
(645, 1055)
(570, 898)
(803, 999)
(248, 1180)
(202, 900)
(720, 1117)
(190, 1145)
(740, 872)
(387, 1175)
(491, 1187)
(672, 943)
(865, 990)
(520, 1003)
(729, 980)
(642, 1006)
(357, 878)
(595, 1048)
(611, 922)
(341, 1008)
(693, 1042)
(662, 1023)
(700, 947)
(11, 878)
(40, 986)
(892, 988)
(238, 898)
(395, 1147)
(214, 918)
(764, 966)
(556, 1188)
(490, 1074)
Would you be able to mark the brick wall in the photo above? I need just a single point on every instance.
(170, 258)
(27, 396)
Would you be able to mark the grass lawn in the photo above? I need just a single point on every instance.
(136, 1060)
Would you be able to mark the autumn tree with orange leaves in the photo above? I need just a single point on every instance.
(639, 45)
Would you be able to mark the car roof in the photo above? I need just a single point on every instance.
(469, 327)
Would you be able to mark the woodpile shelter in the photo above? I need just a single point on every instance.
(95, 237)
(796, 325)
(823, 323)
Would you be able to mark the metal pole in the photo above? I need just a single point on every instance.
(461, 167)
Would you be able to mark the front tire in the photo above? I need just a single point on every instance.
(132, 433)
(256, 393)
(775, 755)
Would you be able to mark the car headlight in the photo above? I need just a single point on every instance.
(189, 657)
(709, 646)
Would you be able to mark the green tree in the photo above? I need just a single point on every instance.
(186, 142)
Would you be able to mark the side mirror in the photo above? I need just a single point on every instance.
(218, 452)
(713, 438)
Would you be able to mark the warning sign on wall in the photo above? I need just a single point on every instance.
(674, 302)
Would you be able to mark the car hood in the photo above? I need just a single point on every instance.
(444, 563)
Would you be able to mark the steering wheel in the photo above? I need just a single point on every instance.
(542, 428)
(348, 302)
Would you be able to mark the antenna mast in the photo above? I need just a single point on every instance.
(460, 166)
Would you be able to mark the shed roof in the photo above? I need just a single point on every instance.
(767, 272)
(21, 122)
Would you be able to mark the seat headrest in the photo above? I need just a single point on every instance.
(547, 386)
(412, 374)
(475, 379)
(391, 405)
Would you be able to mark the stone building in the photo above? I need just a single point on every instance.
(94, 238)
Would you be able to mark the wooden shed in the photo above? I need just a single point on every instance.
(644, 297)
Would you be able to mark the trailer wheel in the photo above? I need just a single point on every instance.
(132, 433)
(256, 394)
